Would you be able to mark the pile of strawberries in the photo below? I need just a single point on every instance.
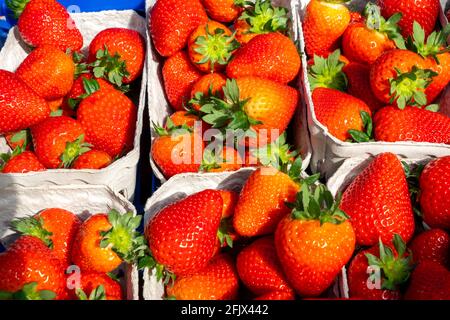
(235, 82)
(377, 76)
(60, 109)
(58, 256)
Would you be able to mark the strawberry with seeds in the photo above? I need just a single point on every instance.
(429, 281)
(431, 245)
(223, 10)
(207, 85)
(98, 286)
(20, 162)
(93, 159)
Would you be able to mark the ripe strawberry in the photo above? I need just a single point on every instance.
(207, 85)
(339, 112)
(271, 56)
(55, 105)
(411, 124)
(55, 227)
(314, 245)
(28, 261)
(222, 10)
(21, 106)
(53, 81)
(46, 22)
(393, 263)
(58, 141)
(210, 46)
(118, 55)
(98, 286)
(433, 245)
(425, 12)
(109, 119)
(216, 281)
(277, 295)
(171, 23)
(179, 76)
(378, 202)
(230, 199)
(325, 22)
(20, 162)
(183, 118)
(434, 196)
(173, 235)
(227, 160)
(93, 159)
(104, 241)
(259, 268)
(429, 281)
(226, 234)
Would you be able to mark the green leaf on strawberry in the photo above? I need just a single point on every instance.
(327, 72)
(263, 17)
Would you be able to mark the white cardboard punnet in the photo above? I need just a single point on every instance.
(121, 175)
(83, 200)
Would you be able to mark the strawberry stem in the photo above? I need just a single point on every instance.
(327, 72)
(367, 134)
(28, 292)
(30, 226)
(73, 150)
(263, 17)
(17, 6)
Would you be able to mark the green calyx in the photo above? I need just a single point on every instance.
(375, 21)
(367, 134)
(211, 159)
(395, 268)
(408, 88)
(17, 6)
(225, 231)
(28, 292)
(216, 47)
(97, 294)
(327, 72)
(412, 173)
(90, 87)
(73, 150)
(171, 129)
(30, 226)
(263, 17)
(6, 157)
(435, 44)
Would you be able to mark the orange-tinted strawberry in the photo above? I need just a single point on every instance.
(314, 245)
(228, 159)
(431, 245)
(172, 22)
(222, 10)
(94, 159)
(277, 295)
(183, 118)
(90, 283)
(230, 199)
(271, 56)
(217, 281)
(21, 106)
(56, 104)
(259, 268)
(48, 71)
(43, 22)
(209, 84)
(179, 76)
(173, 234)
(325, 22)
(21, 162)
(435, 192)
(429, 281)
(378, 202)
(226, 234)
(210, 46)
(411, 124)
(119, 55)
(58, 141)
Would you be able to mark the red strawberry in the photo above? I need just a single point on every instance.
(378, 202)
(222, 10)
(173, 234)
(431, 245)
(277, 295)
(98, 286)
(429, 281)
(93, 159)
(22, 162)
(435, 192)
(21, 106)
(259, 268)
(44, 22)
(171, 23)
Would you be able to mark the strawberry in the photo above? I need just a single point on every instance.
(277, 295)
(366, 42)
(173, 235)
(324, 23)
(109, 119)
(55, 105)
(29, 266)
(98, 286)
(411, 124)
(429, 281)
(259, 268)
(230, 199)
(425, 12)
(46, 22)
(19, 139)
(20, 162)
(208, 85)
(21, 106)
(271, 56)
(53, 81)
(314, 242)
(55, 227)
(339, 112)
(183, 118)
(118, 55)
(393, 263)
(434, 193)
(179, 76)
(58, 141)
(216, 281)
(93, 159)
(172, 22)
(378, 202)
(222, 10)
(210, 46)
(433, 245)
(260, 18)
(104, 241)
(226, 234)
(226, 159)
